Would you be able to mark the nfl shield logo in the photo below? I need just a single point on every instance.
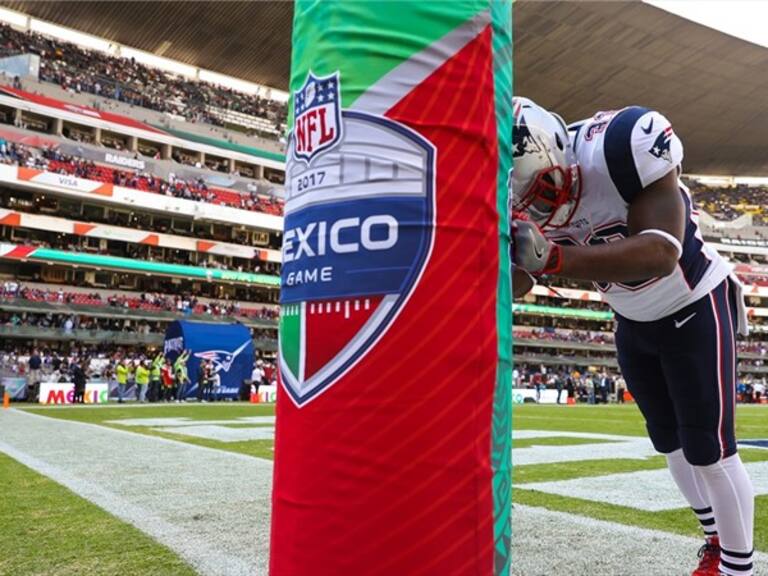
(317, 109)
(359, 228)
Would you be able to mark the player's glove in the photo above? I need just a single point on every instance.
(532, 251)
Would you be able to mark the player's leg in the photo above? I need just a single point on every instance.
(637, 346)
(640, 365)
(699, 362)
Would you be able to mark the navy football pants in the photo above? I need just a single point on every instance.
(681, 371)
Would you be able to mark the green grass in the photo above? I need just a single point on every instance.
(47, 530)
(752, 422)
(102, 415)
(624, 420)
(680, 521)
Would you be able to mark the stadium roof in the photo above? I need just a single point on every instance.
(575, 57)
(249, 40)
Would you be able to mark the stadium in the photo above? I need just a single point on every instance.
(211, 365)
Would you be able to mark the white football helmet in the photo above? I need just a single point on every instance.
(545, 178)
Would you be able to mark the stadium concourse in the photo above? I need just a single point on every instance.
(132, 197)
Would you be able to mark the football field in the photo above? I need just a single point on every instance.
(184, 489)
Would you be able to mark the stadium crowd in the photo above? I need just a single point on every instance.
(51, 159)
(550, 334)
(68, 323)
(143, 252)
(125, 80)
(730, 202)
(140, 373)
(183, 304)
(592, 386)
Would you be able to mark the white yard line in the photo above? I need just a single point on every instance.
(222, 433)
(545, 543)
(620, 448)
(210, 506)
(651, 490)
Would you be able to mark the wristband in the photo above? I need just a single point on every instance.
(555, 260)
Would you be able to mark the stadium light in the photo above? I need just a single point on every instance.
(13, 18)
(242, 85)
(69, 35)
(159, 62)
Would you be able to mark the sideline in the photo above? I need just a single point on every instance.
(210, 506)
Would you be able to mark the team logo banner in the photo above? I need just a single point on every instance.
(359, 220)
(229, 348)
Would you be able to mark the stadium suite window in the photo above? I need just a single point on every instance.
(90, 212)
(35, 122)
(274, 176)
(7, 114)
(114, 140)
(147, 148)
(182, 226)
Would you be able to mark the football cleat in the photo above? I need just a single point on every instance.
(709, 558)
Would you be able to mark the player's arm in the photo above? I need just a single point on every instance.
(656, 218)
(656, 221)
(642, 154)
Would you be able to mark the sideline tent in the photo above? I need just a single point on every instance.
(228, 346)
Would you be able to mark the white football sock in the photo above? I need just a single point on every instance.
(733, 501)
(690, 484)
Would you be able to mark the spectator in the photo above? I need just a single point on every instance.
(166, 373)
(79, 379)
(182, 376)
(121, 374)
(215, 385)
(33, 376)
(203, 374)
(142, 381)
(621, 387)
(155, 378)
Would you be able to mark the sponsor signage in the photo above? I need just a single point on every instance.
(125, 161)
(751, 242)
(519, 396)
(267, 394)
(64, 393)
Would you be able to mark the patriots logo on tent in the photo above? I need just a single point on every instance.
(662, 146)
(359, 229)
(523, 141)
(222, 360)
(317, 125)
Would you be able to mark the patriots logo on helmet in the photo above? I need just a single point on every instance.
(523, 141)
(222, 360)
(662, 146)
(359, 230)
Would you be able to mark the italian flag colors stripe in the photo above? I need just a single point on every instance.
(292, 322)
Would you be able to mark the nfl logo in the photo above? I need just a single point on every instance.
(359, 228)
(317, 110)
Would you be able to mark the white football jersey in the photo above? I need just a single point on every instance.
(620, 152)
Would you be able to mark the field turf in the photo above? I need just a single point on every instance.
(47, 530)
(40, 509)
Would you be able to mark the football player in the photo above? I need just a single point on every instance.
(600, 200)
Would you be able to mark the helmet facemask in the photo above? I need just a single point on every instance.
(552, 196)
(545, 179)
